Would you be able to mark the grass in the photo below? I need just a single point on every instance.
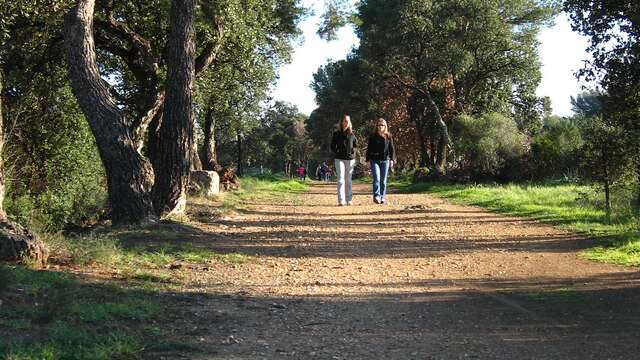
(570, 206)
(66, 318)
(263, 189)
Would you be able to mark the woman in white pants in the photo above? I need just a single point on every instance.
(343, 146)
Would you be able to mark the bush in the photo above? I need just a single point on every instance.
(488, 145)
(555, 151)
(55, 174)
(421, 174)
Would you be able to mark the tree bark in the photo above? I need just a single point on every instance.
(210, 160)
(417, 117)
(129, 175)
(445, 140)
(240, 155)
(176, 130)
(196, 163)
(16, 242)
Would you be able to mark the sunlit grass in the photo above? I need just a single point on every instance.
(570, 206)
(263, 189)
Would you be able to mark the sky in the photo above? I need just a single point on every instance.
(562, 53)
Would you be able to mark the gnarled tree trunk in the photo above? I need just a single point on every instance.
(176, 130)
(129, 175)
(16, 242)
(210, 159)
(444, 142)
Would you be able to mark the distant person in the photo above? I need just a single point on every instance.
(324, 171)
(343, 146)
(302, 173)
(381, 155)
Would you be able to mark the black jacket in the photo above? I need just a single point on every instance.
(381, 148)
(343, 145)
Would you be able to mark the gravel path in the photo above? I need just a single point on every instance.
(417, 278)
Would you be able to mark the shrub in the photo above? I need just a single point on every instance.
(487, 145)
(555, 151)
(55, 176)
(421, 174)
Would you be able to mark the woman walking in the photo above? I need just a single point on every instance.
(381, 155)
(343, 146)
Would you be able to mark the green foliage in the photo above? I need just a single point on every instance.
(555, 151)
(283, 137)
(412, 52)
(56, 174)
(604, 158)
(487, 143)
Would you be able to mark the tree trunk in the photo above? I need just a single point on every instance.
(441, 155)
(239, 143)
(16, 242)
(445, 140)
(210, 160)
(176, 130)
(196, 164)
(637, 204)
(416, 116)
(606, 181)
(129, 175)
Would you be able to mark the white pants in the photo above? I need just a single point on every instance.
(344, 170)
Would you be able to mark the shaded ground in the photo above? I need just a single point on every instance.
(416, 278)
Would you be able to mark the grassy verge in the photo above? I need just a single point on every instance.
(122, 312)
(263, 189)
(573, 207)
(53, 315)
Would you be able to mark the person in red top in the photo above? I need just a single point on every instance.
(302, 173)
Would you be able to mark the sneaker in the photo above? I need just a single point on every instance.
(376, 200)
(342, 203)
(382, 201)
(349, 203)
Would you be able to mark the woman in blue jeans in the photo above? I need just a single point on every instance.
(381, 155)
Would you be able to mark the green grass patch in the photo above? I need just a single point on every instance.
(263, 189)
(570, 206)
(66, 318)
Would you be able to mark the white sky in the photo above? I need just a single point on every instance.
(561, 54)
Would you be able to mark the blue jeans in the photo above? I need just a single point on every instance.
(379, 171)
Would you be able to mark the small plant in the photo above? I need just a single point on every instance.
(421, 174)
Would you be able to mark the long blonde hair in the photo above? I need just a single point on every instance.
(385, 131)
(349, 128)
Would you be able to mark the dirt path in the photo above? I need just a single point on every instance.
(416, 278)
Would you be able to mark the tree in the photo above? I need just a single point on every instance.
(173, 164)
(443, 59)
(129, 174)
(603, 157)
(613, 28)
(131, 52)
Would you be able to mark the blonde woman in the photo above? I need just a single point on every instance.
(381, 155)
(343, 146)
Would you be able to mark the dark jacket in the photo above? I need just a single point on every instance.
(380, 148)
(343, 145)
